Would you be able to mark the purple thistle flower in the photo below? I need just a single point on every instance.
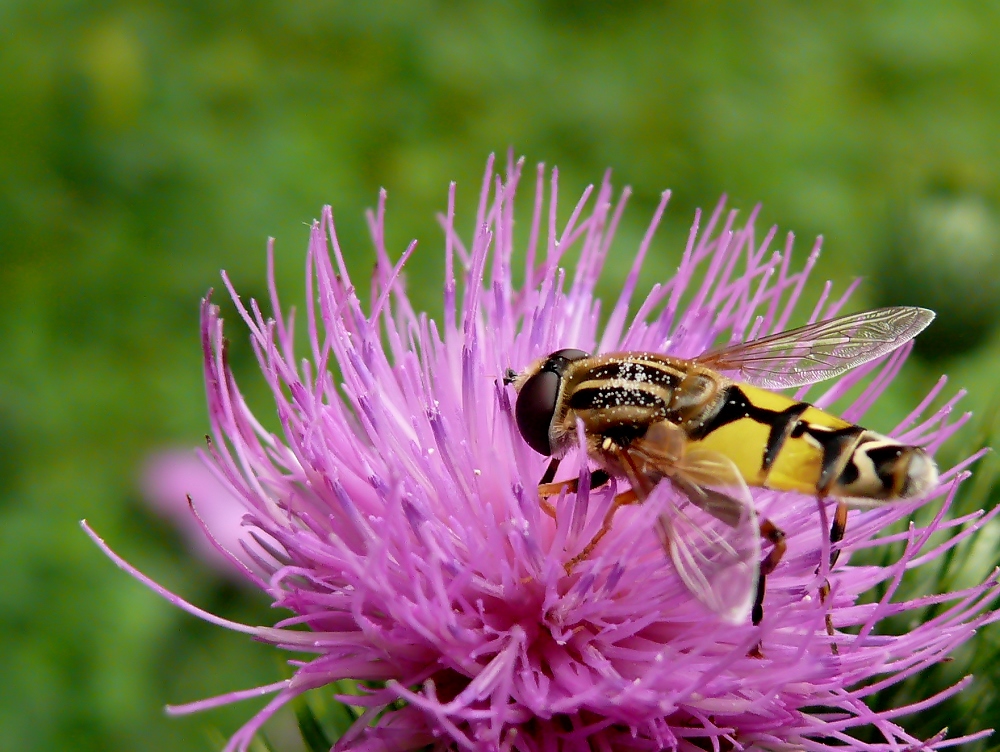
(396, 515)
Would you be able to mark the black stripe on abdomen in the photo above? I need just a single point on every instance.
(782, 425)
(838, 453)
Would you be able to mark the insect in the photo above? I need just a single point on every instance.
(647, 418)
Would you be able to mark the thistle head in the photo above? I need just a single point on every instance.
(396, 515)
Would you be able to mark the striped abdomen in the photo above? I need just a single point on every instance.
(779, 443)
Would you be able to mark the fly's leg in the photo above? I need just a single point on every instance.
(547, 488)
(641, 487)
(837, 530)
(771, 533)
(621, 500)
(598, 478)
(550, 472)
(776, 537)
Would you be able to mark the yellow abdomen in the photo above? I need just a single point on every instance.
(762, 433)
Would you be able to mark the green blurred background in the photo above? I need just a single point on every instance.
(145, 145)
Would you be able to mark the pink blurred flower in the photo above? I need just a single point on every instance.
(176, 483)
(407, 532)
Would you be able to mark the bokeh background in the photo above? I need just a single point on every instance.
(146, 145)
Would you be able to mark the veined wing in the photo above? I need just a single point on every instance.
(711, 532)
(713, 537)
(819, 351)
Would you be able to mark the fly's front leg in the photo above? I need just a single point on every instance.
(621, 500)
(550, 472)
(598, 478)
(547, 488)
(641, 487)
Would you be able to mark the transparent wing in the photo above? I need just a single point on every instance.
(819, 351)
(712, 535)
(711, 532)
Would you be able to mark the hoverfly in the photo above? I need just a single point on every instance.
(648, 418)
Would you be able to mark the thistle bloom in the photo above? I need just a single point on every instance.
(397, 516)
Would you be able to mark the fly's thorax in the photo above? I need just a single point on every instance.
(616, 397)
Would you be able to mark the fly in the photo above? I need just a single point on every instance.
(713, 426)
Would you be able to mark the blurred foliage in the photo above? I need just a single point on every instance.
(145, 145)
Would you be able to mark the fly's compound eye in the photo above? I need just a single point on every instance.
(537, 399)
(569, 354)
(536, 404)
